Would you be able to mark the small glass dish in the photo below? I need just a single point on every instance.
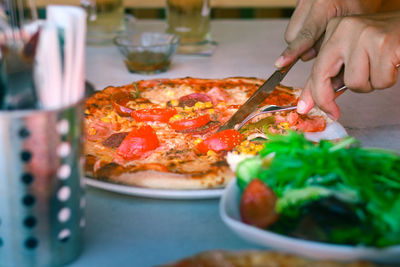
(147, 52)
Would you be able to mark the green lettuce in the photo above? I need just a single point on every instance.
(301, 172)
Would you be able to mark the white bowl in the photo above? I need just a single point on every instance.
(229, 212)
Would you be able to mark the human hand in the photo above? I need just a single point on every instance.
(308, 23)
(367, 46)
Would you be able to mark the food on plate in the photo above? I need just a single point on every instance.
(162, 133)
(333, 191)
(257, 258)
(257, 206)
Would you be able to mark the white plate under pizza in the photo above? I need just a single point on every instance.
(158, 138)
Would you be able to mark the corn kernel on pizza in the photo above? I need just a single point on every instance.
(162, 133)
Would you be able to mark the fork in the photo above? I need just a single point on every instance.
(274, 108)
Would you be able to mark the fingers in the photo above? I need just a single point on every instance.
(324, 97)
(357, 70)
(319, 86)
(297, 20)
(312, 53)
(307, 35)
(309, 21)
(368, 47)
(370, 63)
(306, 102)
(384, 73)
(366, 51)
(303, 42)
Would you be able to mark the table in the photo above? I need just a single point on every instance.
(130, 231)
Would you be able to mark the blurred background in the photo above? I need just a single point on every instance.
(221, 9)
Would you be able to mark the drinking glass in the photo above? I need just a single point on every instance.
(190, 20)
(104, 21)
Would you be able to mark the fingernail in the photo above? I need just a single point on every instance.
(301, 107)
(279, 62)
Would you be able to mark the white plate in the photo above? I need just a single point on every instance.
(229, 211)
(155, 193)
(332, 131)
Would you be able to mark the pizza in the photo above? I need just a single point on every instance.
(162, 133)
(258, 258)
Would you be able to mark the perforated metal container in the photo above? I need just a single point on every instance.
(41, 191)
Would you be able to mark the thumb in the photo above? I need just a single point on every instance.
(308, 36)
(306, 102)
(294, 50)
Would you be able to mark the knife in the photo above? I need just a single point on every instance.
(257, 98)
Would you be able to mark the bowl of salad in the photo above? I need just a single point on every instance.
(327, 200)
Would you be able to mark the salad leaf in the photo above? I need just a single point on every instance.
(295, 197)
(301, 172)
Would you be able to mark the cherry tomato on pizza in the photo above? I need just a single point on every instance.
(138, 142)
(190, 123)
(222, 141)
(257, 205)
(153, 114)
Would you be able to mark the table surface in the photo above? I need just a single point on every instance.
(123, 230)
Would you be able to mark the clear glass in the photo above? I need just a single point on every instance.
(190, 20)
(104, 21)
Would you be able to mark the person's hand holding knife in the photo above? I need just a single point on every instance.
(366, 47)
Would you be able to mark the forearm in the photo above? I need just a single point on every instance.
(390, 5)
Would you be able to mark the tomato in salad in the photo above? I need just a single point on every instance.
(138, 142)
(257, 205)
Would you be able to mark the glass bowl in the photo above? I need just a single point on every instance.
(147, 52)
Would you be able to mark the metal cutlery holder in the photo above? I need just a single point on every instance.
(41, 187)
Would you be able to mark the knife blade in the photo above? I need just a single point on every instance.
(257, 98)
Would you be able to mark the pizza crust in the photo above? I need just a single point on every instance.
(215, 178)
(155, 177)
(257, 258)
